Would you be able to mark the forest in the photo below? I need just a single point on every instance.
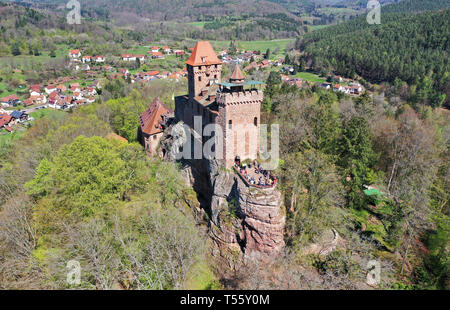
(405, 47)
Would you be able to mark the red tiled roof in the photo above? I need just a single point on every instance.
(150, 119)
(157, 54)
(237, 73)
(203, 54)
(4, 119)
(10, 97)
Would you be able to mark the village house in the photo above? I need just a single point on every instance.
(140, 57)
(128, 57)
(179, 52)
(18, 117)
(86, 59)
(61, 88)
(151, 125)
(10, 101)
(5, 119)
(74, 54)
(155, 49)
(99, 59)
(157, 55)
(50, 88)
(233, 106)
(167, 50)
(35, 90)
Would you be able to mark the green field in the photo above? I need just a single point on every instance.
(7, 139)
(56, 114)
(261, 45)
(197, 24)
(311, 77)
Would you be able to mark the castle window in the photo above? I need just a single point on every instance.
(215, 76)
(199, 78)
(230, 124)
(255, 121)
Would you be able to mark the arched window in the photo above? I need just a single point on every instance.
(255, 121)
(230, 124)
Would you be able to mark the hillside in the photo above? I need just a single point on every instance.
(406, 46)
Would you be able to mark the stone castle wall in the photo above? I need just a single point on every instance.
(199, 77)
(243, 110)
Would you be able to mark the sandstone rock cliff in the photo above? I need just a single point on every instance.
(243, 221)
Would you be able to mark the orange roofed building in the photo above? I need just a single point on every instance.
(234, 106)
(152, 123)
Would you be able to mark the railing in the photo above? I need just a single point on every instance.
(273, 185)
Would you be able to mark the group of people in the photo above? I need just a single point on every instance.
(261, 178)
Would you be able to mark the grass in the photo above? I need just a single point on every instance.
(202, 278)
(259, 45)
(7, 139)
(197, 24)
(56, 114)
(311, 77)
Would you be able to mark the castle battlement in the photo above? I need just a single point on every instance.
(241, 97)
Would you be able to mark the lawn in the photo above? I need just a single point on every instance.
(56, 114)
(311, 77)
(260, 45)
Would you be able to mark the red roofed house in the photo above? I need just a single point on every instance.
(152, 123)
(99, 59)
(178, 52)
(167, 50)
(35, 90)
(86, 59)
(9, 101)
(74, 53)
(157, 55)
(155, 49)
(140, 57)
(128, 57)
(4, 120)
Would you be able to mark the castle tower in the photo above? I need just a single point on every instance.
(239, 116)
(204, 69)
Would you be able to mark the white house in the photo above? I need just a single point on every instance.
(99, 59)
(50, 89)
(128, 57)
(74, 53)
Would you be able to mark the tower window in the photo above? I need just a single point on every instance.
(199, 78)
(230, 124)
(255, 121)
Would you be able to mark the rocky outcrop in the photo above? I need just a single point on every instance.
(243, 221)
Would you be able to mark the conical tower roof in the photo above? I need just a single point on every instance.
(203, 54)
(237, 74)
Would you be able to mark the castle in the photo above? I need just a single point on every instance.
(233, 106)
